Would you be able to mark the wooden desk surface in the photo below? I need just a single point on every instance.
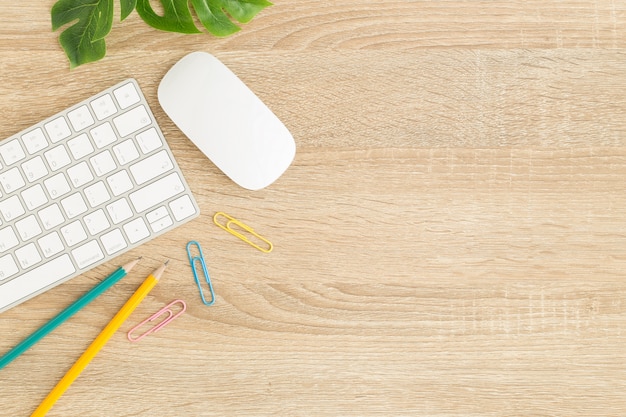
(449, 241)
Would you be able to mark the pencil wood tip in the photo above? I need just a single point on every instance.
(159, 271)
(131, 264)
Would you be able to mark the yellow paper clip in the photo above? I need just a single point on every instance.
(164, 311)
(242, 228)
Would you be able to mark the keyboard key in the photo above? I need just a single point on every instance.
(12, 180)
(80, 174)
(74, 205)
(161, 223)
(57, 129)
(28, 227)
(151, 167)
(156, 214)
(103, 106)
(28, 256)
(97, 194)
(103, 135)
(102, 163)
(80, 146)
(50, 244)
(126, 96)
(157, 192)
(8, 239)
(132, 121)
(113, 241)
(136, 230)
(119, 211)
(57, 185)
(120, 183)
(43, 276)
(35, 140)
(87, 254)
(51, 216)
(57, 158)
(12, 152)
(73, 233)
(8, 268)
(126, 152)
(11, 208)
(34, 197)
(96, 222)
(182, 208)
(34, 169)
(149, 140)
(80, 118)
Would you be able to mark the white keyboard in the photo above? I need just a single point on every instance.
(82, 187)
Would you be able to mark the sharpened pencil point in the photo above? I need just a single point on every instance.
(127, 267)
(159, 271)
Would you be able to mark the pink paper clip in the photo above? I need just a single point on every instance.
(170, 316)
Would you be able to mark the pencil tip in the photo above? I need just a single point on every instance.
(159, 271)
(127, 267)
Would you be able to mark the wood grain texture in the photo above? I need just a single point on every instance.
(449, 240)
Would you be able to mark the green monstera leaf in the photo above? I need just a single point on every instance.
(83, 41)
(90, 21)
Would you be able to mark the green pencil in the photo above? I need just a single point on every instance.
(67, 313)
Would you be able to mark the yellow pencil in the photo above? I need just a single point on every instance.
(99, 342)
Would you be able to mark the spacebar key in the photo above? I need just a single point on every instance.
(35, 280)
(157, 192)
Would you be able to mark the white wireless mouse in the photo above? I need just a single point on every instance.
(226, 121)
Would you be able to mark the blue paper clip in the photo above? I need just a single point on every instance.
(192, 261)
